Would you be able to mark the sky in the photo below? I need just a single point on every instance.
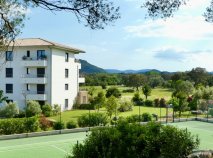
(180, 43)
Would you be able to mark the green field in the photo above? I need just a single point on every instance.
(55, 146)
(156, 93)
(204, 131)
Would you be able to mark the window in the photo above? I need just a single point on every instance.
(66, 73)
(40, 89)
(28, 53)
(66, 57)
(9, 72)
(66, 103)
(41, 54)
(28, 87)
(9, 88)
(9, 56)
(66, 87)
(28, 71)
(40, 72)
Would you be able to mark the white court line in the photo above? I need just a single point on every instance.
(41, 143)
(59, 148)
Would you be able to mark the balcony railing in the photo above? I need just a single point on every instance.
(35, 78)
(35, 95)
(34, 62)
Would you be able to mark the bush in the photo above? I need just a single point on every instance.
(33, 108)
(47, 110)
(211, 112)
(18, 125)
(152, 140)
(128, 91)
(94, 119)
(58, 125)
(71, 125)
(148, 103)
(56, 109)
(113, 91)
(86, 106)
(137, 100)
(157, 102)
(125, 106)
(145, 117)
(44, 123)
(10, 110)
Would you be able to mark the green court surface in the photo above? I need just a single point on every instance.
(204, 131)
(54, 146)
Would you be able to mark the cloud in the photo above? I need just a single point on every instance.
(182, 28)
(187, 24)
(182, 55)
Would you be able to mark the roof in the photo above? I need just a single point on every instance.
(43, 42)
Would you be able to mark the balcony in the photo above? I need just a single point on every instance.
(34, 79)
(81, 79)
(35, 95)
(32, 62)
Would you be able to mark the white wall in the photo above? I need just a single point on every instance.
(59, 94)
(19, 71)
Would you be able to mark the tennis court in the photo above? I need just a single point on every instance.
(54, 146)
(204, 131)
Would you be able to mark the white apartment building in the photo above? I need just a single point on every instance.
(40, 70)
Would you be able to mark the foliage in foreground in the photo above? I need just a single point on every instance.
(152, 140)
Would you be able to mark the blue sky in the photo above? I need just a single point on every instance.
(133, 42)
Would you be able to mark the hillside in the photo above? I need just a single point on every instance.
(87, 68)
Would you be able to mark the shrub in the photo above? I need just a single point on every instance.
(128, 91)
(58, 125)
(10, 110)
(125, 106)
(162, 102)
(47, 110)
(71, 124)
(113, 91)
(145, 117)
(148, 103)
(86, 106)
(152, 140)
(94, 119)
(33, 108)
(211, 112)
(157, 102)
(137, 100)
(56, 109)
(18, 125)
(44, 123)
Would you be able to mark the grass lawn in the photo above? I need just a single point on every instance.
(74, 114)
(156, 93)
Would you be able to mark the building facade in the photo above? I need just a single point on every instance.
(40, 70)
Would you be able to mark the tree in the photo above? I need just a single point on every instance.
(135, 80)
(99, 100)
(166, 8)
(95, 14)
(10, 110)
(155, 81)
(112, 106)
(151, 140)
(199, 76)
(113, 91)
(33, 108)
(47, 110)
(136, 99)
(2, 98)
(146, 90)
